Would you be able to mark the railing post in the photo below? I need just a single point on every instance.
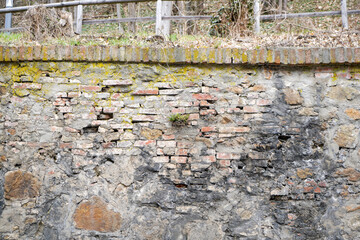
(118, 11)
(344, 15)
(79, 19)
(158, 24)
(257, 16)
(9, 4)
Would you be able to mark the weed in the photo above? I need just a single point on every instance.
(179, 119)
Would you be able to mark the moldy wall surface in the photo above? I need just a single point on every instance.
(268, 152)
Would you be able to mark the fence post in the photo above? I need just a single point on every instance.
(257, 16)
(118, 11)
(158, 23)
(79, 18)
(9, 4)
(344, 15)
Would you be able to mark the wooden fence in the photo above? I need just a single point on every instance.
(162, 17)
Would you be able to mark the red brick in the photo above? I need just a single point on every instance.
(72, 130)
(204, 96)
(78, 152)
(208, 112)
(322, 184)
(146, 92)
(204, 103)
(66, 145)
(227, 156)
(250, 109)
(109, 145)
(234, 129)
(308, 189)
(208, 129)
(90, 88)
(224, 163)
(193, 116)
(317, 190)
(263, 102)
(140, 143)
(168, 137)
(27, 85)
(181, 151)
(59, 102)
(178, 159)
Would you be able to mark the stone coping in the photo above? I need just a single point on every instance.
(261, 56)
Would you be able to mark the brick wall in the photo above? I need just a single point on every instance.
(268, 150)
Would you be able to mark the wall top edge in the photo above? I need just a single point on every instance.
(273, 56)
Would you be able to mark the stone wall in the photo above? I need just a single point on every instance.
(267, 152)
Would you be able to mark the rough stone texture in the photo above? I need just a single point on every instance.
(292, 97)
(266, 153)
(94, 215)
(353, 113)
(347, 136)
(20, 185)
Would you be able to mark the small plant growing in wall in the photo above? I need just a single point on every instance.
(178, 119)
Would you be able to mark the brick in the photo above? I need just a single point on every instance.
(65, 109)
(117, 82)
(34, 86)
(263, 102)
(84, 144)
(162, 159)
(169, 144)
(146, 92)
(224, 163)
(193, 116)
(143, 118)
(208, 129)
(234, 129)
(168, 137)
(227, 156)
(175, 159)
(90, 88)
(204, 96)
(208, 112)
(250, 109)
(140, 143)
(171, 92)
(110, 109)
(181, 151)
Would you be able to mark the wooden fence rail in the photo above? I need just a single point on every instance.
(162, 16)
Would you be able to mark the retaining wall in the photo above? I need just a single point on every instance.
(270, 149)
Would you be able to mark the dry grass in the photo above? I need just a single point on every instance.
(41, 23)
